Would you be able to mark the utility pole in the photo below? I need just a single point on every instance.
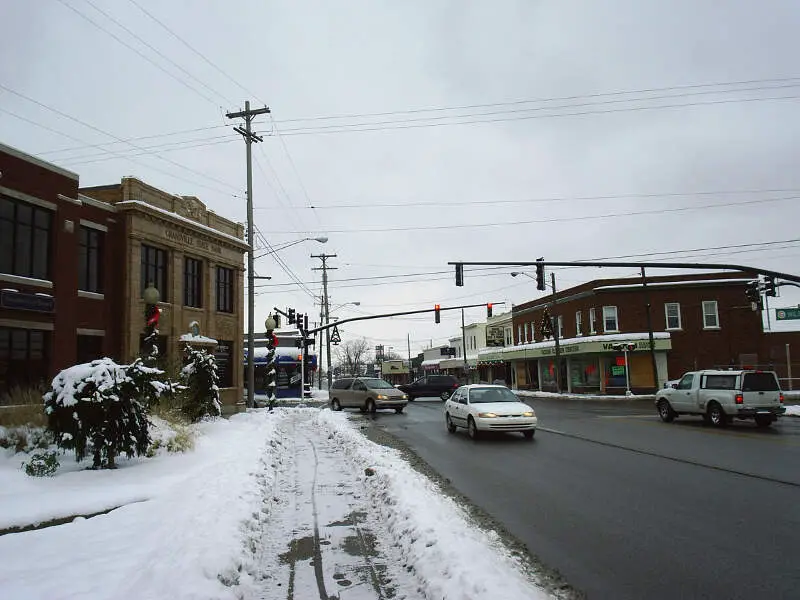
(249, 138)
(324, 268)
(319, 344)
(556, 334)
(410, 377)
(650, 331)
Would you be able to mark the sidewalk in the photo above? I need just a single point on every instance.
(292, 504)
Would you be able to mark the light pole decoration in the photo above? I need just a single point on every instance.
(629, 347)
(151, 315)
(270, 325)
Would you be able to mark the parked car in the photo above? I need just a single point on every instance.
(441, 386)
(367, 394)
(721, 396)
(488, 408)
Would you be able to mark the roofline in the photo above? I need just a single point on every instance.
(38, 161)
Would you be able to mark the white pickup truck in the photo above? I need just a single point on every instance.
(721, 396)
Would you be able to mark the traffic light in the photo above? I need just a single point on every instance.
(436, 315)
(770, 287)
(305, 322)
(459, 275)
(291, 316)
(299, 318)
(489, 310)
(540, 284)
(751, 291)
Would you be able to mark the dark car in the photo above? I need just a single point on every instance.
(442, 386)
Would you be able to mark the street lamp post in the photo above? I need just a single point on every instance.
(625, 349)
(151, 315)
(270, 325)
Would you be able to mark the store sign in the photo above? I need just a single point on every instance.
(188, 240)
(495, 336)
(23, 301)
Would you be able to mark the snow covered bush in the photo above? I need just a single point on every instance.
(201, 381)
(42, 464)
(101, 407)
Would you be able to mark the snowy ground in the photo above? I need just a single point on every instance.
(536, 394)
(793, 411)
(290, 504)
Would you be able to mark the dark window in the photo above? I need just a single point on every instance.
(224, 289)
(719, 382)
(90, 260)
(193, 283)
(223, 354)
(154, 270)
(686, 382)
(760, 382)
(341, 384)
(24, 239)
(90, 347)
(24, 355)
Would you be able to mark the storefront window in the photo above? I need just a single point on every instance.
(24, 357)
(584, 375)
(615, 372)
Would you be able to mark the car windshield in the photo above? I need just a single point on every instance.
(759, 382)
(498, 394)
(377, 384)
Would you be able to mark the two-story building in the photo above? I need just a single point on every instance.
(697, 321)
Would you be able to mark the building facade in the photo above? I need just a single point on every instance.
(60, 285)
(195, 258)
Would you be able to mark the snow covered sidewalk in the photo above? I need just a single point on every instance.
(296, 503)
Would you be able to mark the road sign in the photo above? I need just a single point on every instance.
(787, 314)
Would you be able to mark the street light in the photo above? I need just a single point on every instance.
(321, 239)
(270, 325)
(251, 323)
(625, 349)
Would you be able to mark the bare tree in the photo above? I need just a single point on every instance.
(391, 355)
(353, 355)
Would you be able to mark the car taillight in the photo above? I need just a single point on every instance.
(455, 385)
(739, 399)
(781, 398)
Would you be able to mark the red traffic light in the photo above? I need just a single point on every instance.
(436, 313)
(488, 310)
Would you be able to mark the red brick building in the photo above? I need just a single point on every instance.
(699, 321)
(57, 275)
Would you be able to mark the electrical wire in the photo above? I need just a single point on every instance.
(148, 152)
(554, 219)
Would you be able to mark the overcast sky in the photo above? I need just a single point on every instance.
(465, 131)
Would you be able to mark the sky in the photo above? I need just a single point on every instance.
(220, 521)
(417, 133)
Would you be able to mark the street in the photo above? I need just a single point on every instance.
(625, 506)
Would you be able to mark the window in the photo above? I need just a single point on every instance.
(578, 324)
(24, 239)
(154, 270)
(193, 283)
(760, 382)
(223, 354)
(560, 322)
(672, 312)
(719, 382)
(24, 355)
(90, 260)
(509, 333)
(592, 320)
(610, 323)
(686, 382)
(710, 315)
(224, 289)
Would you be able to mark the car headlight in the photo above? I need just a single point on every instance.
(405, 396)
(530, 413)
(487, 415)
(382, 397)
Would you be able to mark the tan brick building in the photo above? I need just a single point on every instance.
(196, 260)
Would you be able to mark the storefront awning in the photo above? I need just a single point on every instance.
(593, 344)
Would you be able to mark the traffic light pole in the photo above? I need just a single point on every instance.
(556, 334)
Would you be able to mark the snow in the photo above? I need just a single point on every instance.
(105, 373)
(9, 290)
(221, 521)
(675, 283)
(197, 339)
(792, 411)
(565, 395)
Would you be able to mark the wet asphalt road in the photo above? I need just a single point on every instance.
(625, 506)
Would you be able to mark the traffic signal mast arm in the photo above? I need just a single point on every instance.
(395, 314)
(649, 265)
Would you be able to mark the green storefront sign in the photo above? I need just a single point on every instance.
(586, 346)
(787, 314)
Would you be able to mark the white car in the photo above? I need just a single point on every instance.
(488, 408)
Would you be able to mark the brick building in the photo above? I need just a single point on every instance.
(59, 283)
(698, 321)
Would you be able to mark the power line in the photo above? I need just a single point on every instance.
(359, 128)
(430, 204)
(197, 52)
(156, 50)
(555, 219)
(137, 51)
(111, 135)
(551, 99)
(148, 151)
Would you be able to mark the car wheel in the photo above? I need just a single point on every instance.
(716, 415)
(763, 420)
(529, 434)
(665, 411)
(335, 404)
(371, 406)
(398, 410)
(472, 429)
(445, 396)
(451, 427)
